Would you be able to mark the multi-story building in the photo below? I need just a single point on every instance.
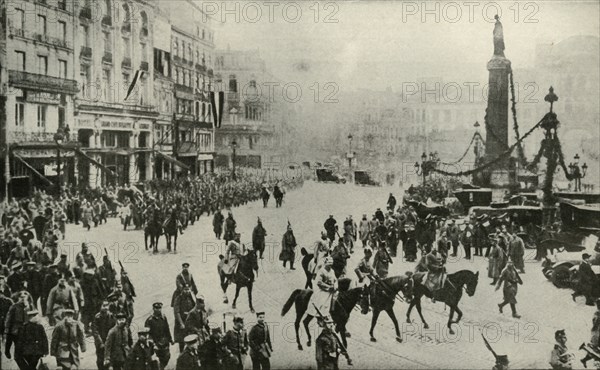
(192, 57)
(250, 117)
(113, 47)
(39, 90)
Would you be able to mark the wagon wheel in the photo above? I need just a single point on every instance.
(561, 277)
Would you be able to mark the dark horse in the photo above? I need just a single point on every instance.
(153, 230)
(383, 296)
(170, 229)
(450, 294)
(340, 311)
(243, 277)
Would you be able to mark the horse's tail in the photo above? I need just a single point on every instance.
(290, 301)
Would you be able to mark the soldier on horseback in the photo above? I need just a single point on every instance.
(235, 250)
(326, 287)
(321, 251)
(433, 264)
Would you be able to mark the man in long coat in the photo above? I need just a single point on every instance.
(230, 226)
(516, 251)
(185, 277)
(184, 303)
(197, 321)
(32, 342)
(587, 279)
(511, 279)
(363, 230)
(288, 247)
(118, 344)
(218, 224)
(330, 226)
(258, 238)
(67, 339)
(141, 356)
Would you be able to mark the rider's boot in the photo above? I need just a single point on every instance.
(292, 265)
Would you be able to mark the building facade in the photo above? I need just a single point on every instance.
(250, 118)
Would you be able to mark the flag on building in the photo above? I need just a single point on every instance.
(136, 77)
(217, 100)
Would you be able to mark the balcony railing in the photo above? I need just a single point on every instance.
(58, 42)
(86, 12)
(107, 20)
(17, 32)
(86, 52)
(42, 82)
(126, 63)
(22, 137)
(144, 66)
(107, 57)
(183, 88)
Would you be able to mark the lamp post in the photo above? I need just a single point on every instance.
(577, 173)
(233, 146)
(420, 168)
(58, 139)
(350, 151)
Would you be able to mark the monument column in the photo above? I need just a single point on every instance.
(497, 111)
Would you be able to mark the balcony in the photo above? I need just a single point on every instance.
(42, 82)
(144, 66)
(86, 52)
(86, 13)
(107, 21)
(126, 63)
(58, 42)
(39, 137)
(183, 88)
(19, 32)
(107, 57)
(200, 67)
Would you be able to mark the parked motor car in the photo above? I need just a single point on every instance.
(562, 267)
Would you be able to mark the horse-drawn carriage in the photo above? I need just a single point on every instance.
(365, 178)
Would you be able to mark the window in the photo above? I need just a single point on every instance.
(19, 114)
(144, 52)
(62, 31)
(41, 20)
(42, 64)
(126, 48)
(189, 52)
(62, 4)
(107, 43)
(41, 115)
(61, 117)
(85, 78)
(19, 19)
(106, 83)
(182, 49)
(20, 60)
(85, 35)
(126, 80)
(62, 68)
(176, 47)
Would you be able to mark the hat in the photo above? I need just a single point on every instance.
(144, 330)
(190, 339)
(216, 330)
(68, 311)
(157, 305)
(559, 333)
(260, 313)
(185, 265)
(63, 256)
(30, 263)
(585, 256)
(32, 312)
(326, 319)
(238, 319)
(16, 265)
(200, 297)
(121, 315)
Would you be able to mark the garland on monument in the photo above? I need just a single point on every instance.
(466, 151)
(513, 109)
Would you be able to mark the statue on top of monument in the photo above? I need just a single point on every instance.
(498, 37)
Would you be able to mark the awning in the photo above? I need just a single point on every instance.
(96, 163)
(32, 169)
(172, 160)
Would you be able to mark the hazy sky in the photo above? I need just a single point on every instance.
(373, 44)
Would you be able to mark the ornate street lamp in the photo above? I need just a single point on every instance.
(350, 151)
(58, 139)
(420, 168)
(233, 147)
(577, 173)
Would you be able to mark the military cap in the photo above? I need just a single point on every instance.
(16, 265)
(185, 265)
(192, 338)
(63, 256)
(216, 330)
(68, 311)
(238, 319)
(30, 263)
(559, 333)
(260, 313)
(585, 255)
(121, 315)
(157, 305)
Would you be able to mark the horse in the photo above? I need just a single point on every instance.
(170, 229)
(340, 310)
(383, 296)
(243, 277)
(153, 229)
(450, 294)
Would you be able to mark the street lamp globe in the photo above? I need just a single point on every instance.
(58, 137)
(584, 168)
(350, 137)
(424, 157)
(576, 158)
(234, 144)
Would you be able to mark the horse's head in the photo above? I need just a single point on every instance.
(409, 284)
(252, 259)
(472, 280)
